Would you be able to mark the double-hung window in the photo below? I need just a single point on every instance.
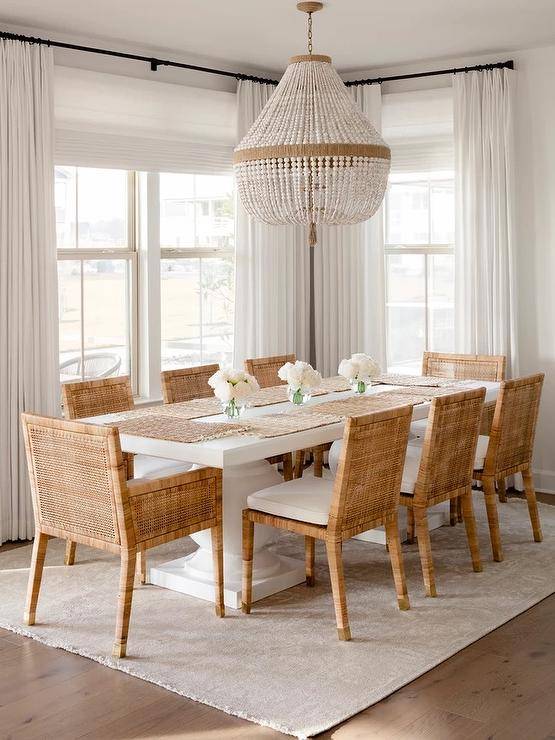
(95, 227)
(197, 269)
(419, 254)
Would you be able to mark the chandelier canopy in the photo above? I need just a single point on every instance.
(311, 157)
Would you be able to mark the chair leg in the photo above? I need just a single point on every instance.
(248, 546)
(410, 525)
(309, 543)
(335, 562)
(502, 491)
(299, 463)
(460, 516)
(488, 487)
(396, 557)
(125, 598)
(452, 512)
(218, 558)
(471, 534)
(318, 463)
(288, 466)
(532, 504)
(141, 567)
(425, 549)
(35, 577)
(69, 558)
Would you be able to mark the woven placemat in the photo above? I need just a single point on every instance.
(426, 393)
(194, 409)
(276, 425)
(177, 430)
(360, 405)
(336, 384)
(424, 381)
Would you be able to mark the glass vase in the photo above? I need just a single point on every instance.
(358, 387)
(298, 396)
(233, 408)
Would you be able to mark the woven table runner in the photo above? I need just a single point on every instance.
(194, 409)
(360, 405)
(276, 425)
(177, 430)
(278, 393)
(336, 384)
(424, 381)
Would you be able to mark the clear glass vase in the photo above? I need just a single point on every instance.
(358, 387)
(234, 408)
(298, 396)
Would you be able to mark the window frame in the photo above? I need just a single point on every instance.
(128, 253)
(425, 250)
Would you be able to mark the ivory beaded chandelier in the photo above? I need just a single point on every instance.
(311, 157)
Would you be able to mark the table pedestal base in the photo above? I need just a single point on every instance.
(177, 575)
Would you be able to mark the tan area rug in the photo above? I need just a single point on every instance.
(283, 666)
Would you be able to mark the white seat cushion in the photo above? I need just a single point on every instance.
(150, 468)
(481, 449)
(304, 499)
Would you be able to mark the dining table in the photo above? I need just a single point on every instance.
(243, 461)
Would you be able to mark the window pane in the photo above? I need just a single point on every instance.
(407, 211)
(442, 207)
(106, 318)
(196, 211)
(65, 190)
(69, 313)
(180, 313)
(217, 310)
(102, 208)
(406, 311)
(197, 311)
(441, 302)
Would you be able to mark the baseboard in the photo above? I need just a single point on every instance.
(544, 481)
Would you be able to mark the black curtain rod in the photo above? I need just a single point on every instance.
(155, 63)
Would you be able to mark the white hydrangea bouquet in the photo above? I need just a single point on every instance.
(301, 379)
(359, 371)
(233, 388)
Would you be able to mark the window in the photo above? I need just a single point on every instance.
(197, 243)
(419, 260)
(96, 271)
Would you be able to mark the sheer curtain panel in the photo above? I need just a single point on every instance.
(349, 276)
(485, 294)
(272, 268)
(28, 291)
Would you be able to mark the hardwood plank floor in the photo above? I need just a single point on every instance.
(500, 687)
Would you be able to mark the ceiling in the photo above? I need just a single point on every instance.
(262, 34)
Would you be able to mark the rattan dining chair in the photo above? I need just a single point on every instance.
(187, 383)
(80, 492)
(441, 470)
(465, 367)
(509, 450)
(364, 495)
(265, 370)
(109, 396)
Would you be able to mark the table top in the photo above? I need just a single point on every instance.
(238, 450)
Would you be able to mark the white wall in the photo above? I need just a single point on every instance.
(535, 219)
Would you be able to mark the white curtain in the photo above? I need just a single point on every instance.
(272, 308)
(29, 379)
(272, 268)
(485, 295)
(349, 277)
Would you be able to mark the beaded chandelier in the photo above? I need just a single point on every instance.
(311, 157)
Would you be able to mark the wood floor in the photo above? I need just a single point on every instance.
(501, 687)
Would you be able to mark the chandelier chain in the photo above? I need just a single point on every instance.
(310, 33)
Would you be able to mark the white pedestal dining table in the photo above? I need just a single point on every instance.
(245, 470)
